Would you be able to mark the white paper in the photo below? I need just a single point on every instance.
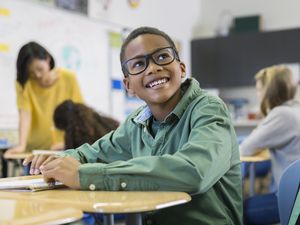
(32, 184)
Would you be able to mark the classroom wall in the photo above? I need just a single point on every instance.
(177, 18)
(52, 27)
(275, 14)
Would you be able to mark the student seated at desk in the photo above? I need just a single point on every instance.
(279, 132)
(81, 124)
(182, 140)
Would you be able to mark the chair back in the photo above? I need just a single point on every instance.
(287, 192)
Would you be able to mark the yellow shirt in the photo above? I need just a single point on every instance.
(41, 102)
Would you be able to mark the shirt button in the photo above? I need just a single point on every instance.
(123, 185)
(92, 187)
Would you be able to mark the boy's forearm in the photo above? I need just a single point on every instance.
(82, 154)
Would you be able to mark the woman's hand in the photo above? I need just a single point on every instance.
(17, 149)
(58, 146)
(63, 169)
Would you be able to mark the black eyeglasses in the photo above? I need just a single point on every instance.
(161, 57)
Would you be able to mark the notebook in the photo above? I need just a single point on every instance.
(29, 183)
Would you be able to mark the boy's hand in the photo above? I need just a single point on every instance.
(63, 169)
(37, 161)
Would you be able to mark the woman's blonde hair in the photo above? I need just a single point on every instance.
(278, 84)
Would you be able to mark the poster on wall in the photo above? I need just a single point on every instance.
(117, 96)
(121, 103)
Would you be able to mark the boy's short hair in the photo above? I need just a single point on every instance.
(141, 31)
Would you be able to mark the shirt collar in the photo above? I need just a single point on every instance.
(190, 89)
(143, 115)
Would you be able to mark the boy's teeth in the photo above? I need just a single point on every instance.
(157, 82)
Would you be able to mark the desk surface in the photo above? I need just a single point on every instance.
(103, 201)
(16, 155)
(23, 155)
(261, 156)
(27, 212)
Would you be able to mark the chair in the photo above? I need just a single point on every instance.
(253, 170)
(287, 192)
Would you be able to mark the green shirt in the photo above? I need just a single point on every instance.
(194, 151)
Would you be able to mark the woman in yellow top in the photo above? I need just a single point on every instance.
(40, 88)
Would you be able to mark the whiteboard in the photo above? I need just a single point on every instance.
(75, 42)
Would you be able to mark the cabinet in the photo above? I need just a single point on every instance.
(233, 61)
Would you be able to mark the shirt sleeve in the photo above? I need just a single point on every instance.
(22, 97)
(114, 146)
(211, 149)
(274, 130)
(194, 168)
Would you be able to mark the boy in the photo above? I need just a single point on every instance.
(183, 140)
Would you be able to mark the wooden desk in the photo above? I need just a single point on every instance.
(16, 155)
(260, 157)
(27, 212)
(109, 203)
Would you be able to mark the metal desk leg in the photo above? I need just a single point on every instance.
(3, 165)
(134, 219)
(252, 179)
(108, 219)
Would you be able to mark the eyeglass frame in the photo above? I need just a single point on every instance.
(148, 57)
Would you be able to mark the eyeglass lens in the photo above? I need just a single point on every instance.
(160, 57)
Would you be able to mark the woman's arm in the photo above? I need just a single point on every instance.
(24, 125)
(58, 146)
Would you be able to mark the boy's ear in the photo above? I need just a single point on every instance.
(183, 69)
(126, 83)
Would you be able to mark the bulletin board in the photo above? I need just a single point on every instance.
(75, 41)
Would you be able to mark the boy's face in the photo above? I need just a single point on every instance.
(158, 83)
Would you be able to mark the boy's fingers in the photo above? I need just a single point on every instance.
(48, 160)
(35, 164)
(27, 160)
(49, 175)
(39, 162)
(50, 163)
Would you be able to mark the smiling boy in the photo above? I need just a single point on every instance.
(182, 140)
